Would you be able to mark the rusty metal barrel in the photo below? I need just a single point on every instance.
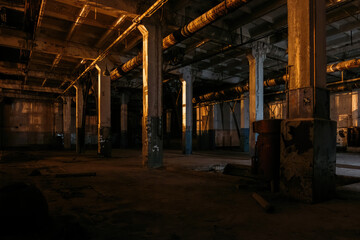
(268, 149)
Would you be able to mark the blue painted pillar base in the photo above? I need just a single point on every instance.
(187, 142)
(244, 139)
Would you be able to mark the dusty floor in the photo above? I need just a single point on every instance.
(181, 201)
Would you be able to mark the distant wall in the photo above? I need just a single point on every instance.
(28, 123)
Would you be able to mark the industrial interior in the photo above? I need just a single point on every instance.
(166, 119)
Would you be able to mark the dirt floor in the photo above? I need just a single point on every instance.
(187, 199)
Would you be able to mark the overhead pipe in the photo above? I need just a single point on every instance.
(136, 21)
(237, 90)
(187, 31)
(341, 66)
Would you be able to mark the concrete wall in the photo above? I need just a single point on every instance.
(28, 122)
(216, 126)
(226, 134)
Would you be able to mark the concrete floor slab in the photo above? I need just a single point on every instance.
(127, 201)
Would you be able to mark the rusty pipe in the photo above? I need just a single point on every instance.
(235, 91)
(202, 21)
(341, 66)
(186, 31)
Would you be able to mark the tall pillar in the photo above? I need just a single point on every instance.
(152, 137)
(355, 108)
(212, 129)
(58, 124)
(80, 128)
(124, 120)
(308, 142)
(2, 140)
(256, 89)
(168, 127)
(244, 122)
(199, 127)
(104, 112)
(67, 121)
(187, 80)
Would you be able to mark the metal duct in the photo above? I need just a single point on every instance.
(234, 92)
(187, 31)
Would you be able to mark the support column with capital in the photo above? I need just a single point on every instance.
(104, 111)
(80, 114)
(152, 132)
(124, 120)
(67, 122)
(187, 79)
(256, 59)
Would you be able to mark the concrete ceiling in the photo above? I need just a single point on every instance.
(46, 43)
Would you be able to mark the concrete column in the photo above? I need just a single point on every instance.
(67, 121)
(187, 80)
(244, 111)
(355, 108)
(211, 129)
(152, 137)
(256, 89)
(168, 127)
(308, 137)
(58, 123)
(2, 139)
(198, 127)
(244, 123)
(168, 121)
(104, 112)
(80, 129)
(124, 120)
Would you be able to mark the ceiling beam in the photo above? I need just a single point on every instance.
(25, 96)
(47, 45)
(29, 88)
(34, 74)
(110, 8)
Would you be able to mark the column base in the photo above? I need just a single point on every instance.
(123, 139)
(67, 141)
(308, 159)
(104, 142)
(244, 139)
(152, 143)
(80, 140)
(187, 142)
